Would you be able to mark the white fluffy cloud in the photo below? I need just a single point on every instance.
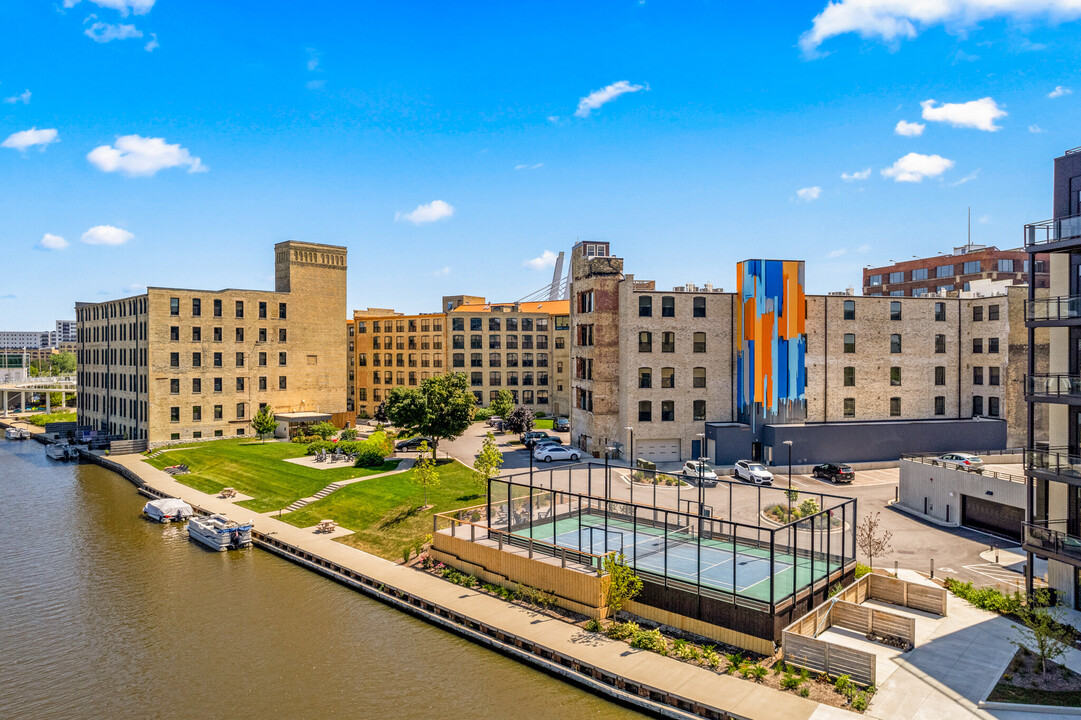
(52, 242)
(1059, 91)
(23, 97)
(914, 167)
(433, 211)
(102, 32)
(809, 193)
(535, 166)
(139, 7)
(546, 259)
(137, 155)
(893, 20)
(106, 235)
(1035, 129)
(153, 44)
(28, 138)
(858, 175)
(607, 94)
(980, 114)
(908, 129)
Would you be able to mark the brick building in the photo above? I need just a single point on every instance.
(179, 365)
(953, 273)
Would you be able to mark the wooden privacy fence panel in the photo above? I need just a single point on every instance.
(126, 447)
(901, 592)
(851, 617)
(887, 589)
(928, 599)
(898, 626)
(821, 656)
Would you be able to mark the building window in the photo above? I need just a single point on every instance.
(282, 311)
(240, 415)
(240, 384)
(850, 342)
(992, 312)
(196, 385)
(971, 267)
(262, 359)
(196, 334)
(262, 382)
(174, 306)
(240, 308)
(897, 293)
(874, 280)
(977, 376)
(240, 359)
(919, 274)
(940, 344)
(699, 342)
(645, 377)
(940, 312)
(494, 378)
(668, 309)
(895, 343)
(217, 334)
(919, 292)
(977, 345)
(240, 334)
(850, 309)
(1004, 265)
(897, 277)
(992, 345)
(940, 375)
(699, 304)
(217, 412)
(281, 382)
(262, 309)
(668, 342)
(196, 307)
(196, 359)
(174, 386)
(282, 359)
(895, 310)
(217, 384)
(994, 376)
(992, 406)
(977, 313)
(668, 410)
(895, 407)
(850, 376)
(174, 414)
(699, 380)
(645, 341)
(944, 271)
(174, 359)
(977, 405)
(585, 302)
(476, 359)
(645, 306)
(645, 411)
(197, 413)
(895, 376)
(174, 333)
(668, 377)
(850, 407)
(699, 410)
(458, 360)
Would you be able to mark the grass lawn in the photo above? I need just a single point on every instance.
(257, 470)
(1005, 692)
(385, 513)
(543, 424)
(55, 417)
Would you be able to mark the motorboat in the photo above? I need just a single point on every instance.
(61, 451)
(168, 510)
(24, 434)
(218, 532)
(14, 433)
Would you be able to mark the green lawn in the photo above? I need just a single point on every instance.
(543, 424)
(257, 470)
(385, 513)
(56, 417)
(1005, 692)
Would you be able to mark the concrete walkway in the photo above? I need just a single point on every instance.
(404, 465)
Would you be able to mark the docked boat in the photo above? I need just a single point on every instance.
(168, 510)
(14, 433)
(24, 434)
(58, 451)
(219, 532)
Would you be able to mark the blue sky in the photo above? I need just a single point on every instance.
(172, 143)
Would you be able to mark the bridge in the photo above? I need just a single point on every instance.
(36, 386)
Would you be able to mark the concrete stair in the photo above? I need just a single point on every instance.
(317, 496)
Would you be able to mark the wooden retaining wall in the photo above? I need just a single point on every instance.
(826, 657)
(762, 646)
(906, 594)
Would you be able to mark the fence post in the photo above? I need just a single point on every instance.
(435, 524)
(530, 548)
(827, 658)
(564, 559)
(472, 533)
(453, 526)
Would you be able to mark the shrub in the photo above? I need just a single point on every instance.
(859, 703)
(685, 651)
(594, 625)
(804, 691)
(407, 552)
(324, 430)
(986, 598)
(842, 682)
(369, 458)
(348, 434)
(862, 570)
(791, 682)
(710, 657)
(482, 413)
(753, 670)
(318, 445)
(651, 640)
(734, 661)
(622, 631)
(363, 415)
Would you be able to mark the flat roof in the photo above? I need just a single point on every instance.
(301, 416)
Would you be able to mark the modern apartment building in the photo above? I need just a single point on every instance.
(1053, 460)
(518, 346)
(667, 370)
(943, 274)
(36, 339)
(180, 365)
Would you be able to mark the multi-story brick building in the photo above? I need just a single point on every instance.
(178, 364)
(943, 274)
(388, 349)
(1053, 460)
(669, 369)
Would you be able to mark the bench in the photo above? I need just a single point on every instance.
(228, 492)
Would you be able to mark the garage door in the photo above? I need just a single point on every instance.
(992, 517)
(658, 450)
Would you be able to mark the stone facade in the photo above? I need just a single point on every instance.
(176, 364)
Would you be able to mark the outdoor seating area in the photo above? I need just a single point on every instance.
(337, 456)
(326, 526)
(177, 469)
(228, 492)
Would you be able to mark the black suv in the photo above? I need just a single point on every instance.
(413, 443)
(530, 438)
(834, 472)
(561, 425)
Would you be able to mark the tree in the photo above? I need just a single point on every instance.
(381, 414)
(424, 473)
(324, 430)
(264, 422)
(488, 461)
(441, 408)
(502, 404)
(63, 363)
(870, 541)
(623, 584)
(521, 420)
(1044, 634)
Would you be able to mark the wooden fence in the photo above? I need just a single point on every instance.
(906, 594)
(126, 447)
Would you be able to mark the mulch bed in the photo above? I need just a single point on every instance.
(1023, 682)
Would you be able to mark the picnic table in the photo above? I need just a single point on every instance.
(228, 492)
(326, 526)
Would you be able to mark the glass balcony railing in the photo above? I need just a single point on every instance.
(1051, 231)
(1050, 538)
(1054, 308)
(1055, 384)
(1057, 461)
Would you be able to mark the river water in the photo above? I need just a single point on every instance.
(105, 615)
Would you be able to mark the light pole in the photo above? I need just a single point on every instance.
(701, 471)
(789, 493)
(630, 460)
(608, 450)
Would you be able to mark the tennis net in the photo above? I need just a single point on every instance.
(673, 538)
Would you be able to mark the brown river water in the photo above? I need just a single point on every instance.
(105, 615)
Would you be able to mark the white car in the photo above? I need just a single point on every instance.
(753, 472)
(548, 453)
(694, 469)
(961, 461)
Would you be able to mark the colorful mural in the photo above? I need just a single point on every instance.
(771, 374)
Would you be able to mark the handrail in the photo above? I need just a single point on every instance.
(1061, 307)
(1047, 538)
(1009, 477)
(1053, 230)
(1057, 384)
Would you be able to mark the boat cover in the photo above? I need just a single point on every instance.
(171, 507)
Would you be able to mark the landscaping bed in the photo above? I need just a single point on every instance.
(1023, 682)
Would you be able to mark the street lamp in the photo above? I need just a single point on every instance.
(630, 460)
(701, 470)
(608, 450)
(789, 493)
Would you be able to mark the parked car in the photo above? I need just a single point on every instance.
(695, 469)
(834, 472)
(531, 437)
(493, 421)
(961, 461)
(540, 442)
(754, 472)
(548, 453)
(412, 443)
(561, 425)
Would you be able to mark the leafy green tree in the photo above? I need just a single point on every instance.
(264, 422)
(488, 461)
(381, 414)
(324, 430)
(521, 420)
(872, 542)
(424, 473)
(623, 585)
(63, 363)
(441, 408)
(348, 434)
(1044, 634)
(502, 404)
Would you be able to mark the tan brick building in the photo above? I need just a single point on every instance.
(179, 365)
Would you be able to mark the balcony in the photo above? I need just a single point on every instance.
(1054, 310)
(1057, 464)
(1050, 538)
(1053, 387)
(1055, 234)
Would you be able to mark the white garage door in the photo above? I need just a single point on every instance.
(658, 450)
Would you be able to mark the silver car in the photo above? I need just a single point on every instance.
(960, 461)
